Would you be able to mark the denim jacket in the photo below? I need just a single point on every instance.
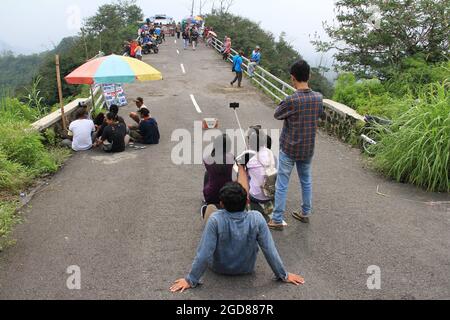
(229, 246)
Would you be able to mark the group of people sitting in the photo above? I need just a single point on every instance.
(245, 206)
(110, 132)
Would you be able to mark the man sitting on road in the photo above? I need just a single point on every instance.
(230, 242)
(114, 138)
(147, 132)
(140, 105)
(81, 131)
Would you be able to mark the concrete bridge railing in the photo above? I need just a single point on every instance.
(341, 120)
(95, 101)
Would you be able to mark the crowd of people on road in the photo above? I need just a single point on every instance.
(240, 212)
(244, 197)
(110, 131)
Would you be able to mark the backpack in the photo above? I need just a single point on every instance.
(270, 178)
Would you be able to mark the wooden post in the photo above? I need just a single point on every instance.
(61, 101)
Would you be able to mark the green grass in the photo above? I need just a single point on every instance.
(8, 218)
(418, 149)
(25, 155)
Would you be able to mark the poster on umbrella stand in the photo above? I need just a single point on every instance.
(114, 94)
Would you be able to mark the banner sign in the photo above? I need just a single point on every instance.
(114, 94)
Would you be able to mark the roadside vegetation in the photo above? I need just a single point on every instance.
(399, 71)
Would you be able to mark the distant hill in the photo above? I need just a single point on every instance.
(18, 71)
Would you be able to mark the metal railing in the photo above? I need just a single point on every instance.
(274, 86)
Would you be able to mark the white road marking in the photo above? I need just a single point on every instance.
(178, 51)
(183, 69)
(175, 41)
(197, 107)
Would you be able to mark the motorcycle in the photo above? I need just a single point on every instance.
(150, 47)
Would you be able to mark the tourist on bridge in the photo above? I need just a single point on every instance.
(136, 116)
(147, 132)
(186, 38)
(231, 242)
(227, 48)
(219, 171)
(194, 37)
(178, 29)
(301, 113)
(237, 68)
(81, 133)
(114, 138)
(255, 60)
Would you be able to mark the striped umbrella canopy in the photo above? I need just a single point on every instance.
(113, 69)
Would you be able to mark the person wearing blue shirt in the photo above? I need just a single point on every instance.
(231, 242)
(237, 68)
(254, 61)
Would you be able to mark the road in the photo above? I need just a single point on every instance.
(131, 221)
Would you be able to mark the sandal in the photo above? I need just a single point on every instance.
(300, 217)
(275, 226)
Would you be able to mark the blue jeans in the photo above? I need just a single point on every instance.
(304, 170)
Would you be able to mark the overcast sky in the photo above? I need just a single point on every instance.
(39, 24)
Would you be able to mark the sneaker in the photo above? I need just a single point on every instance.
(301, 217)
(203, 211)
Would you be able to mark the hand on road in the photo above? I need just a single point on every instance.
(180, 285)
(295, 279)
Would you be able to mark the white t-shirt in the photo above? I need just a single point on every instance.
(82, 134)
(257, 173)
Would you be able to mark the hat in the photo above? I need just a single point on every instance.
(139, 99)
(258, 47)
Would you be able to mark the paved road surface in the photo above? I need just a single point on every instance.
(131, 221)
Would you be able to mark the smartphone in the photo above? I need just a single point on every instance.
(234, 105)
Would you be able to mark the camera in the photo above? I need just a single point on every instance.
(234, 105)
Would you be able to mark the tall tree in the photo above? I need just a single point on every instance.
(372, 37)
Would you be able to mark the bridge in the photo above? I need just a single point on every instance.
(131, 221)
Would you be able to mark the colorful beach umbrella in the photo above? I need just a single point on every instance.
(113, 69)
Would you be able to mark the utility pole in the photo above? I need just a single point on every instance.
(192, 11)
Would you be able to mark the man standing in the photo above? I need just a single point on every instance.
(230, 242)
(186, 38)
(300, 113)
(178, 28)
(255, 60)
(237, 68)
(194, 37)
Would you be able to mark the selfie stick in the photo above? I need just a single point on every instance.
(240, 127)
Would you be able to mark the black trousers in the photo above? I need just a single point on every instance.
(238, 78)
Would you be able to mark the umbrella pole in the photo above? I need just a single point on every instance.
(58, 79)
(93, 98)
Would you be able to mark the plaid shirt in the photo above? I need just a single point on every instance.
(301, 113)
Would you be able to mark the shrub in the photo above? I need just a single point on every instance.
(418, 149)
(8, 219)
(13, 176)
(24, 146)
